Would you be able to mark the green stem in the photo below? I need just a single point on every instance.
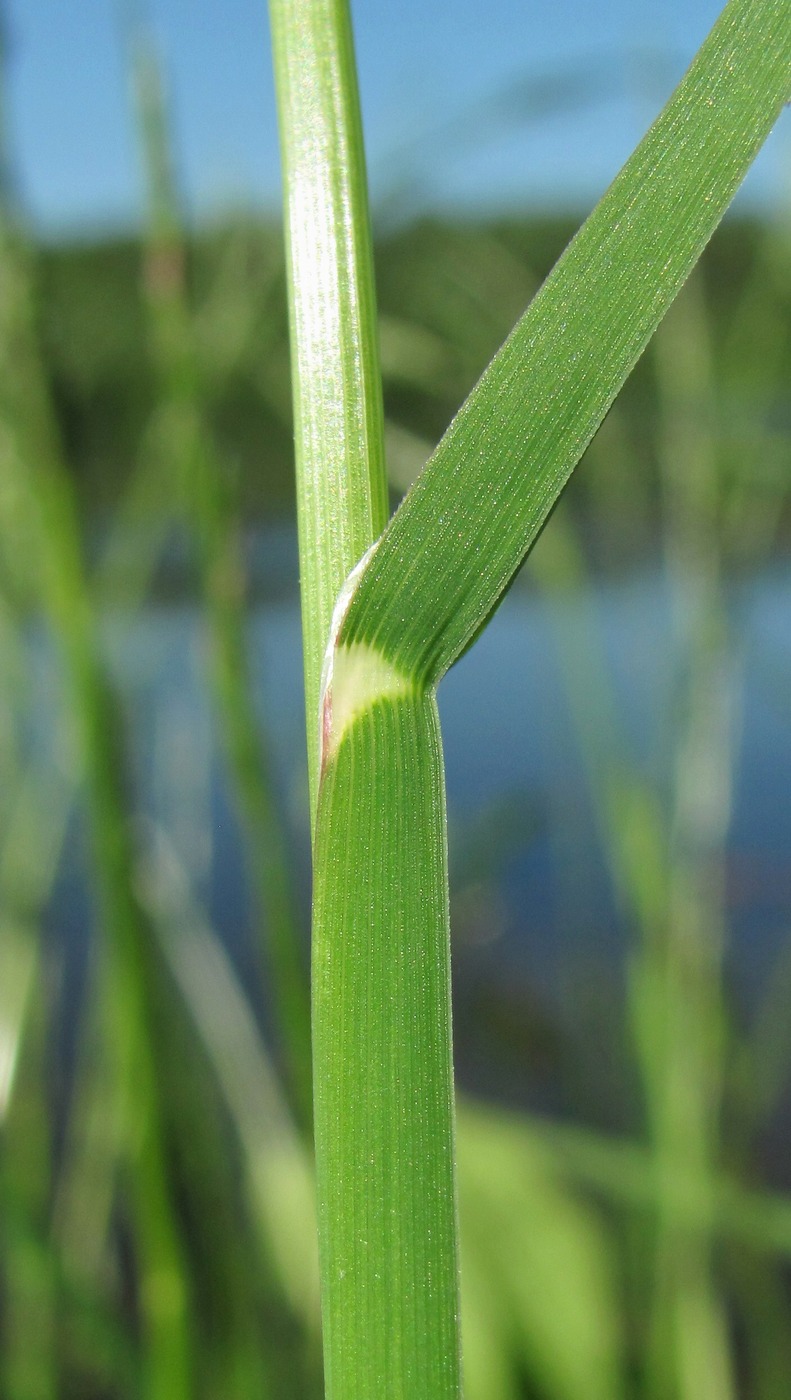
(383, 1088)
(338, 428)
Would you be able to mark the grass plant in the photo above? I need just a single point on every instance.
(157, 1209)
(412, 603)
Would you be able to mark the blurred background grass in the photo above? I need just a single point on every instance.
(619, 754)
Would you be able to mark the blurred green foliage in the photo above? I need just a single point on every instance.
(155, 1191)
(448, 294)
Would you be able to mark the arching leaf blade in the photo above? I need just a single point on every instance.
(464, 528)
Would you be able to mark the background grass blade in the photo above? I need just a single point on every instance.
(185, 453)
(553, 1285)
(485, 494)
(35, 468)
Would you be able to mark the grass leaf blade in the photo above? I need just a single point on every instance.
(481, 501)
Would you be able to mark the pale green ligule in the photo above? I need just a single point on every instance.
(353, 677)
(359, 676)
(382, 1056)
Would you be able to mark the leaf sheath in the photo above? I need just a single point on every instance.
(382, 1061)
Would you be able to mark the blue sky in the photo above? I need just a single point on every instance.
(467, 104)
